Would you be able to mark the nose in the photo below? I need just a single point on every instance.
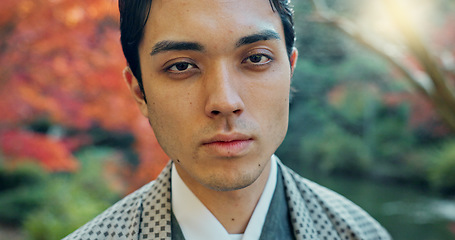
(223, 93)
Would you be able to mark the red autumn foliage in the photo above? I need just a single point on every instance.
(51, 154)
(444, 36)
(61, 61)
(422, 113)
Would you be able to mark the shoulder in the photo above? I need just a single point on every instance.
(120, 221)
(330, 211)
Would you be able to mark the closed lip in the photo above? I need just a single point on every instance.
(226, 138)
(228, 145)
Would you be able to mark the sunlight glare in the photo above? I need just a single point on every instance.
(389, 19)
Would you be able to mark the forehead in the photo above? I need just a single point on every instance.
(209, 21)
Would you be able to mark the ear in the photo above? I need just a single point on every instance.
(135, 90)
(293, 59)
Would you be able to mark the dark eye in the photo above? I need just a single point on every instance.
(255, 58)
(180, 67)
(258, 59)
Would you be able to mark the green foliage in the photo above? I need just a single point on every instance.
(359, 129)
(392, 137)
(70, 200)
(392, 142)
(23, 175)
(68, 206)
(442, 167)
(20, 192)
(18, 203)
(316, 41)
(335, 150)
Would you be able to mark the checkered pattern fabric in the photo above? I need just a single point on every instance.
(144, 214)
(316, 213)
(319, 213)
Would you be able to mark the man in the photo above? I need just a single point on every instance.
(213, 78)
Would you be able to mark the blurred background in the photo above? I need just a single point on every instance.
(372, 113)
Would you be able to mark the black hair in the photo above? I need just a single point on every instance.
(134, 15)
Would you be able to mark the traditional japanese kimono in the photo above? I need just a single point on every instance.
(300, 209)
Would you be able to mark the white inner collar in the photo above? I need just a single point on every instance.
(198, 223)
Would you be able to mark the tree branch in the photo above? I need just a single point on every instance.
(442, 97)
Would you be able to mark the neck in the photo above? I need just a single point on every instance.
(233, 209)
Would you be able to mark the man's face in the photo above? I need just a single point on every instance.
(216, 76)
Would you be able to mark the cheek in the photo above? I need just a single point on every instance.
(163, 122)
(280, 116)
(271, 106)
(171, 115)
(279, 113)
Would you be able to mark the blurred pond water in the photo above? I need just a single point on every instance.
(405, 211)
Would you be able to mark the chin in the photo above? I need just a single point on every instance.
(231, 182)
(223, 186)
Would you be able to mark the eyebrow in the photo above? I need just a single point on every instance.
(260, 36)
(167, 45)
(175, 46)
